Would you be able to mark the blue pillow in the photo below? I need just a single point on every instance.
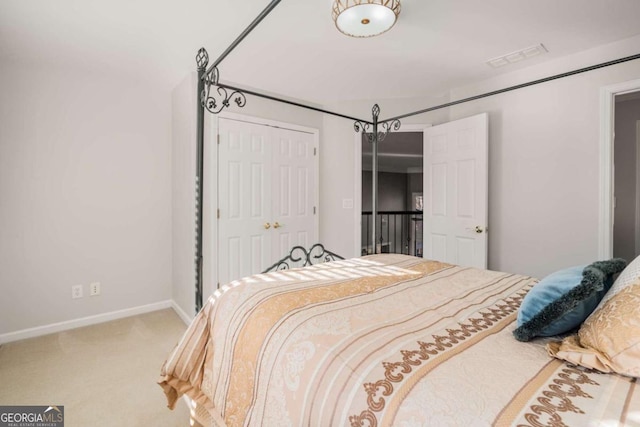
(564, 299)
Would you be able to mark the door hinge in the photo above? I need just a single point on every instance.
(218, 213)
(315, 151)
(218, 138)
(314, 210)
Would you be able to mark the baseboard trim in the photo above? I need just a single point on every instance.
(91, 320)
(181, 313)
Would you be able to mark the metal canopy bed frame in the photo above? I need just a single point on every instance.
(375, 129)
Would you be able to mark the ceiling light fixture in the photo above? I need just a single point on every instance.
(365, 18)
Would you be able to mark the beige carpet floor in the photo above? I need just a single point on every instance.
(103, 375)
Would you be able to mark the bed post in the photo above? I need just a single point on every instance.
(375, 137)
(374, 178)
(202, 59)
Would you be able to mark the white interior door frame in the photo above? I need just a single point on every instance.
(607, 128)
(637, 187)
(357, 200)
(210, 203)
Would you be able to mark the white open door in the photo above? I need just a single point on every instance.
(456, 192)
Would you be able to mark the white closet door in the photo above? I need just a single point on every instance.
(456, 191)
(294, 191)
(244, 199)
(267, 195)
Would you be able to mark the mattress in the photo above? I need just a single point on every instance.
(382, 340)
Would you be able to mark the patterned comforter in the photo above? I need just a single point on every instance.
(383, 340)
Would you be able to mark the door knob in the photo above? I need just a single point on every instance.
(267, 225)
(479, 229)
(276, 225)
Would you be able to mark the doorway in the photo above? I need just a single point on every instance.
(453, 220)
(400, 180)
(362, 165)
(624, 91)
(626, 216)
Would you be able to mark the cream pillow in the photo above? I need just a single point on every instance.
(609, 340)
(631, 273)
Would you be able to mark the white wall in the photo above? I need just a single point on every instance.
(85, 161)
(544, 161)
(183, 172)
(278, 111)
(337, 225)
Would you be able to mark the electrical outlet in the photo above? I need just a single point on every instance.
(94, 289)
(76, 291)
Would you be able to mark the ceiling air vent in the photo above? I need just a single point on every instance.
(517, 56)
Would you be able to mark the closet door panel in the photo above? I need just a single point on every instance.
(244, 199)
(295, 186)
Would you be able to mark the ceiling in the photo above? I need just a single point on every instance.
(297, 52)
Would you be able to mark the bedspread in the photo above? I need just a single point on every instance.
(383, 340)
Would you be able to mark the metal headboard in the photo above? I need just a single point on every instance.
(315, 255)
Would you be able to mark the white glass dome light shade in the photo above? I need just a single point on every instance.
(366, 20)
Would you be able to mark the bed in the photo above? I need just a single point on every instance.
(382, 340)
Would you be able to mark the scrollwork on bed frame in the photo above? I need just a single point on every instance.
(386, 126)
(300, 257)
(209, 100)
